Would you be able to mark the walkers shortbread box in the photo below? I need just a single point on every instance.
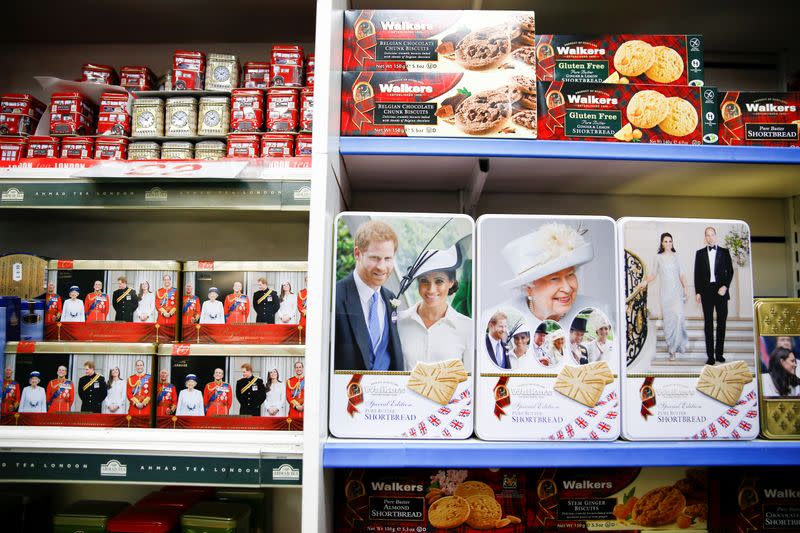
(422, 104)
(548, 343)
(761, 499)
(627, 113)
(635, 59)
(759, 118)
(439, 41)
(689, 348)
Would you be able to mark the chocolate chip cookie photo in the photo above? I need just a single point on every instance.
(484, 113)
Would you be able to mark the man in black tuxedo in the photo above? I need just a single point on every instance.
(366, 321)
(713, 273)
(496, 336)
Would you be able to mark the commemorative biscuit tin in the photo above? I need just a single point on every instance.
(88, 516)
(307, 109)
(12, 149)
(214, 115)
(302, 145)
(243, 145)
(81, 384)
(547, 340)
(94, 73)
(223, 72)
(111, 148)
(688, 363)
(622, 499)
(77, 148)
(144, 150)
(180, 118)
(283, 106)
(662, 114)
(71, 114)
(778, 342)
(22, 104)
(148, 117)
(247, 110)
(244, 302)
(43, 147)
(277, 145)
(137, 78)
(438, 41)
(188, 71)
(429, 500)
(759, 118)
(246, 387)
(177, 150)
(256, 75)
(209, 150)
(395, 374)
(286, 66)
(626, 58)
(417, 104)
(114, 118)
(112, 301)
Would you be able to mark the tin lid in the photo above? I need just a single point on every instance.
(19, 141)
(66, 95)
(144, 145)
(181, 100)
(277, 137)
(239, 350)
(287, 48)
(221, 57)
(245, 266)
(246, 92)
(251, 495)
(150, 101)
(190, 54)
(177, 145)
(283, 91)
(221, 514)
(145, 520)
(214, 100)
(136, 69)
(242, 137)
(209, 145)
(75, 140)
(119, 348)
(111, 141)
(305, 137)
(95, 66)
(114, 96)
(25, 97)
(113, 264)
(43, 139)
(256, 65)
(89, 513)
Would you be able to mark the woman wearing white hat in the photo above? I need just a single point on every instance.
(190, 400)
(432, 330)
(33, 398)
(545, 264)
(600, 348)
(213, 312)
(73, 310)
(556, 340)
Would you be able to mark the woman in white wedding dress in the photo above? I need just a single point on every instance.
(146, 311)
(674, 292)
(116, 398)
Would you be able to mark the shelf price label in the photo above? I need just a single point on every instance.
(165, 169)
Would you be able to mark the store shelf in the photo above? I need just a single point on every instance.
(352, 453)
(121, 455)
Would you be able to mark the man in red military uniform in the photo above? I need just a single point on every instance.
(237, 306)
(217, 395)
(295, 392)
(166, 397)
(96, 304)
(302, 295)
(60, 393)
(166, 302)
(138, 391)
(54, 305)
(10, 393)
(191, 307)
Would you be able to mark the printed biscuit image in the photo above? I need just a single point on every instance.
(484, 49)
(485, 112)
(449, 512)
(725, 382)
(647, 109)
(525, 119)
(633, 58)
(473, 488)
(484, 511)
(659, 507)
(681, 118)
(584, 383)
(526, 54)
(439, 381)
(668, 65)
(523, 91)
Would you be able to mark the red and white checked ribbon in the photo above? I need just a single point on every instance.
(447, 421)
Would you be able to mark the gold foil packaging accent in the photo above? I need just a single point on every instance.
(148, 117)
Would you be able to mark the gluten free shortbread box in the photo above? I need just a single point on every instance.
(439, 41)
(416, 104)
(636, 59)
(759, 118)
(627, 113)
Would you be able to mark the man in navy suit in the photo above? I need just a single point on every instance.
(496, 340)
(366, 321)
(713, 273)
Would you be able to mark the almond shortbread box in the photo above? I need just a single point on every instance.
(637, 59)
(627, 113)
(548, 342)
(430, 501)
(689, 360)
(759, 118)
(438, 41)
(416, 104)
(403, 336)
(622, 499)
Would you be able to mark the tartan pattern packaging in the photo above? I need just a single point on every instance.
(759, 118)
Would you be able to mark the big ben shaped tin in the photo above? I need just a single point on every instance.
(688, 359)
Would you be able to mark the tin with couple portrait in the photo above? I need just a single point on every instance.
(778, 347)
(547, 343)
(403, 336)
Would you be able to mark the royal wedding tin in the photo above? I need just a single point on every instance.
(688, 364)
(547, 339)
(403, 339)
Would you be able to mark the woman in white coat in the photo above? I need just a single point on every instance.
(33, 398)
(275, 404)
(72, 310)
(146, 311)
(116, 402)
(287, 314)
(213, 311)
(190, 400)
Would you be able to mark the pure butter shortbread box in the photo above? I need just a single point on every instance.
(636, 59)
(760, 118)
(627, 113)
(416, 104)
(438, 41)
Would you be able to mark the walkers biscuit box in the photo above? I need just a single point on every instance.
(414, 104)
(440, 41)
(763, 499)
(627, 113)
(430, 501)
(760, 118)
(623, 499)
(635, 59)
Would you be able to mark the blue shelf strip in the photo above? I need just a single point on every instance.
(481, 454)
(405, 146)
